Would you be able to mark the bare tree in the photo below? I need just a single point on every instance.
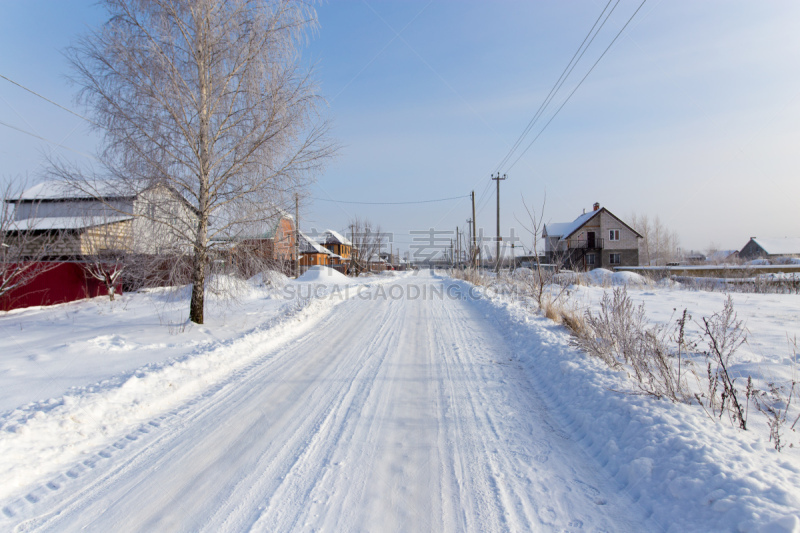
(366, 238)
(542, 276)
(105, 248)
(209, 98)
(659, 244)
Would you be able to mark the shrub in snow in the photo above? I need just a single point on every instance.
(620, 335)
(724, 334)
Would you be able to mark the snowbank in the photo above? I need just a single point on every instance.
(601, 276)
(40, 438)
(687, 472)
(323, 274)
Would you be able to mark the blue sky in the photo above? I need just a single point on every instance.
(693, 114)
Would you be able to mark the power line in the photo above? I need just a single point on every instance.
(390, 203)
(45, 140)
(577, 86)
(560, 81)
(50, 101)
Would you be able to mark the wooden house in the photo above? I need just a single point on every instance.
(313, 253)
(770, 248)
(336, 243)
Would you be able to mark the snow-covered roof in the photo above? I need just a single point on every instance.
(308, 245)
(62, 223)
(57, 190)
(565, 229)
(721, 255)
(334, 237)
(787, 246)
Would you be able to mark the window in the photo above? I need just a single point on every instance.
(613, 235)
(614, 259)
(590, 259)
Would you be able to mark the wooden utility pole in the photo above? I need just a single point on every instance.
(474, 252)
(498, 179)
(468, 243)
(458, 247)
(296, 237)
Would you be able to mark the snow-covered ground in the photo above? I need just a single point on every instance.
(397, 403)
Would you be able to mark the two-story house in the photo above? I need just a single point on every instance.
(593, 240)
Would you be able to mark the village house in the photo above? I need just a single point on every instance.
(250, 252)
(336, 243)
(340, 247)
(70, 224)
(770, 248)
(313, 253)
(597, 239)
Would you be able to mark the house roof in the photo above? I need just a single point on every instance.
(58, 190)
(333, 237)
(308, 245)
(63, 223)
(721, 255)
(787, 246)
(565, 230)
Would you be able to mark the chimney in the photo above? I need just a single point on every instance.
(596, 206)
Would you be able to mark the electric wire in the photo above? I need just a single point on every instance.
(560, 81)
(577, 86)
(50, 101)
(45, 140)
(391, 203)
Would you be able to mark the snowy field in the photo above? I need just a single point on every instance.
(389, 403)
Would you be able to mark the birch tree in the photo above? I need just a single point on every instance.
(207, 97)
(659, 244)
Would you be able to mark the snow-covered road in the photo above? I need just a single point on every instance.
(402, 410)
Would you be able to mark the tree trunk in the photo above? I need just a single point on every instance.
(198, 286)
(203, 200)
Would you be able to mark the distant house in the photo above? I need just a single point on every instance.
(313, 253)
(341, 248)
(770, 248)
(723, 256)
(593, 240)
(69, 223)
(249, 252)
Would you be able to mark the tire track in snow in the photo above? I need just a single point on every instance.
(395, 415)
(283, 368)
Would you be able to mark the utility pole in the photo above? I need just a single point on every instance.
(498, 179)
(469, 242)
(451, 252)
(458, 247)
(296, 237)
(474, 252)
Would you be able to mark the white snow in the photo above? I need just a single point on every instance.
(49, 223)
(601, 276)
(785, 246)
(387, 403)
(325, 275)
(686, 471)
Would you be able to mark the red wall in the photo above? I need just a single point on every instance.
(55, 283)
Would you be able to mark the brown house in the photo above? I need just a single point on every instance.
(313, 253)
(337, 244)
(597, 239)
